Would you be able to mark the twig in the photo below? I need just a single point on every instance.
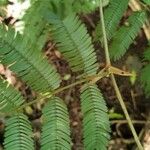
(108, 63)
(133, 99)
(125, 141)
(125, 121)
(119, 96)
(92, 79)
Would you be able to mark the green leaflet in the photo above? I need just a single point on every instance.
(125, 36)
(36, 30)
(145, 73)
(36, 24)
(74, 43)
(10, 99)
(55, 18)
(29, 64)
(146, 1)
(112, 15)
(18, 133)
(39, 9)
(55, 130)
(3, 2)
(96, 126)
(87, 6)
(145, 78)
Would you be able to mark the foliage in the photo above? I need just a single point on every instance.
(39, 9)
(73, 41)
(3, 2)
(146, 1)
(10, 97)
(18, 133)
(95, 122)
(145, 75)
(24, 52)
(59, 21)
(120, 37)
(87, 6)
(55, 130)
(24, 58)
(125, 35)
(112, 15)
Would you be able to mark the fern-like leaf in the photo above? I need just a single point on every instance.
(18, 133)
(86, 6)
(36, 24)
(29, 64)
(9, 97)
(74, 43)
(96, 126)
(125, 35)
(112, 16)
(55, 131)
(145, 73)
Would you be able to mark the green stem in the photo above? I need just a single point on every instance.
(92, 78)
(126, 112)
(108, 62)
(119, 96)
(51, 94)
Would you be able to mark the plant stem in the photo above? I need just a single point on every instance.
(92, 78)
(125, 112)
(53, 93)
(108, 62)
(119, 96)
